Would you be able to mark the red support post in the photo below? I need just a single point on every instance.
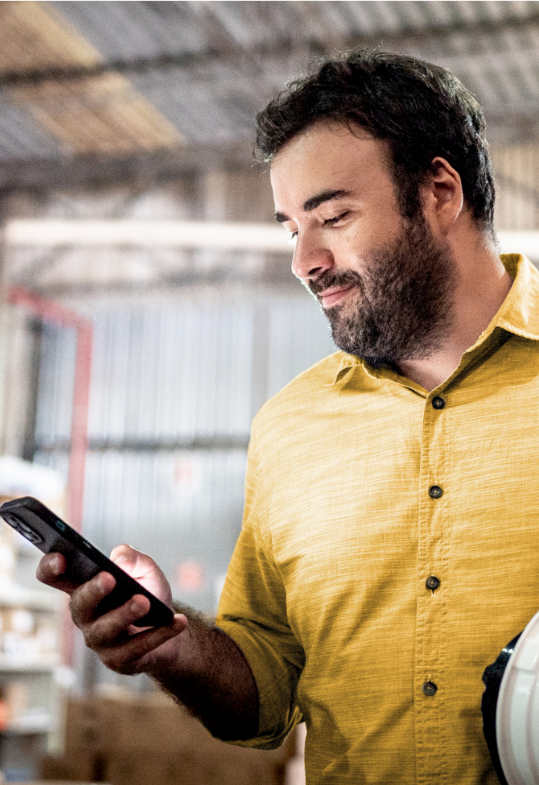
(79, 423)
(54, 312)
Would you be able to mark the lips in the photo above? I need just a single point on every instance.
(333, 295)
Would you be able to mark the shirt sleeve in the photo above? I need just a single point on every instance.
(252, 611)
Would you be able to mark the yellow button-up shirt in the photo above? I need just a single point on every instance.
(361, 486)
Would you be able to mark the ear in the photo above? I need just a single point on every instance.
(443, 197)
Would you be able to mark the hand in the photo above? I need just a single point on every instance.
(120, 646)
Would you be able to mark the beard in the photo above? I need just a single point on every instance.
(404, 304)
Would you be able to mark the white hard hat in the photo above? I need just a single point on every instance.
(511, 709)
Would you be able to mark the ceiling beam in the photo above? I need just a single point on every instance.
(148, 168)
(411, 36)
(156, 234)
(216, 235)
(77, 73)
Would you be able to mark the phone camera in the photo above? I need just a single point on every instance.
(60, 525)
(25, 530)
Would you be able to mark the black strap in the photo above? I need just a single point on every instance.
(492, 678)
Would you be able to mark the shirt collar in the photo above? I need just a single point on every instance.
(518, 314)
(347, 361)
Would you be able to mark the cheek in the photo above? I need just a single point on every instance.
(355, 253)
(360, 242)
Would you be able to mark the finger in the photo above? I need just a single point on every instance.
(51, 571)
(123, 552)
(86, 598)
(50, 567)
(134, 562)
(117, 626)
(127, 657)
(114, 627)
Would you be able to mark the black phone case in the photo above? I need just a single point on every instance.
(52, 535)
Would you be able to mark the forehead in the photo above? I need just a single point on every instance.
(329, 156)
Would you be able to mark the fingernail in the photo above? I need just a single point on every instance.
(54, 567)
(134, 606)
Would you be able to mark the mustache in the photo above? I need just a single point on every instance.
(329, 280)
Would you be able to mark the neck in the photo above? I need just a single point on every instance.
(483, 286)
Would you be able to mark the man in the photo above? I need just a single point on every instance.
(389, 544)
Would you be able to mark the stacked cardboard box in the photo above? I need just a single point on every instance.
(135, 740)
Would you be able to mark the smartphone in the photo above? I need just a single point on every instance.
(52, 535)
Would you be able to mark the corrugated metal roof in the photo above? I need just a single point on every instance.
(138, 30)
(101, 114)
(22, 137)
(116, 78)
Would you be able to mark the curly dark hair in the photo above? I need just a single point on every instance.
(419, 109)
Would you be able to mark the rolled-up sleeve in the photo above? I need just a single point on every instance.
(252, 611)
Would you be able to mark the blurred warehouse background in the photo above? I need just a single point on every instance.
(147, 305)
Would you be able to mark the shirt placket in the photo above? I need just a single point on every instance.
(430, 689)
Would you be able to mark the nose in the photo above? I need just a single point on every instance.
(311, 258)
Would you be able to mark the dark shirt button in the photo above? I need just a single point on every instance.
(438, 403)
(435, 492)
(432, 582)
(429, 688)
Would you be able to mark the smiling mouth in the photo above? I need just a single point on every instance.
(331, 297)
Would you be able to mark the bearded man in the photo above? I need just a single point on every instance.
(389, 546)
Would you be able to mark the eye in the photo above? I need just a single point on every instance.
(292, 234)
(336, 219)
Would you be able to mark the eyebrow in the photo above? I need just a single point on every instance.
(316, 201)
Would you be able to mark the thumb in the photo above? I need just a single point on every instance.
(134, 562)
